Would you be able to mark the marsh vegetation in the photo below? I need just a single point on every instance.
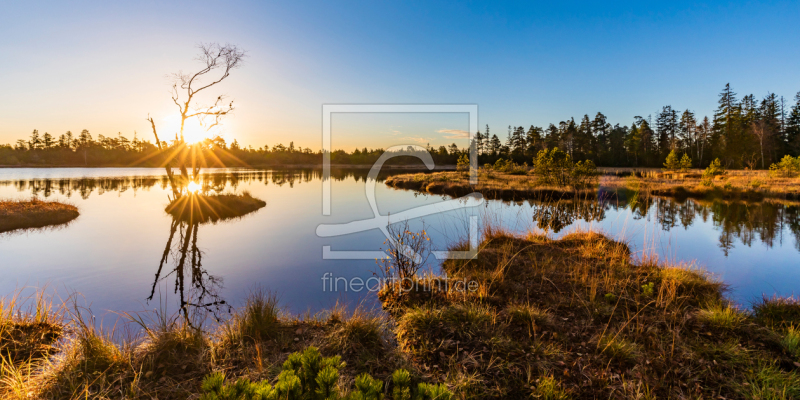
(34, 213)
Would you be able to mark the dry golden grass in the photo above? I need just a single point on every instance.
(34, 213)
(492, 185)
(736, 184)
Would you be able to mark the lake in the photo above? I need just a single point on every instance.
(124, 252)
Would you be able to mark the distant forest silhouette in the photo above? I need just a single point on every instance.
(742, 133)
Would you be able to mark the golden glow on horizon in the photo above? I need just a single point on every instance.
(193, 132)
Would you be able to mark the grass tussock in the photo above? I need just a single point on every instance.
(360, 336)
(201, 208)
(722, 316)
(34, 213)
(257, 321)
(778, 311)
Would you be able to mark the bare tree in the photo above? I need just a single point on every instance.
(761, 131)
(218, 62)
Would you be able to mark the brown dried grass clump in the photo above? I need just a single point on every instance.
(34, 213)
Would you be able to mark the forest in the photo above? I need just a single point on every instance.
(742, 133)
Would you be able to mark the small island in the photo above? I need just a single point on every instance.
(34, 213)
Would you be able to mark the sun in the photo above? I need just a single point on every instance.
(192, 136)
(193, 131)
(193, 187)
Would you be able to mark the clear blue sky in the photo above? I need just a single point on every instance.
(102, 65)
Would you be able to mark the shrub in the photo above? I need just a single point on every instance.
(714, 169)
(788, 167)
(756, 183)
(555, 167)
(463, 163)
(508, 167)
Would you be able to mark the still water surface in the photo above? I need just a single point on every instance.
(123, 253)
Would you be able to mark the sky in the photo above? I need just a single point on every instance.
(103, 66)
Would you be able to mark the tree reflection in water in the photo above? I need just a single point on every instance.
(198, 291)
(747, 222)
(201, 293)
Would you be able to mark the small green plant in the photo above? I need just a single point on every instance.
(618, 348)
(728, 186)
(756, 183)
(723, 316)
(707, 181)
(770, 382)
(647, 289)
(309, 376)
(611, 298)
(548, 388)
(791, 341)
(714, 169)
(788, 167)
(463, 163)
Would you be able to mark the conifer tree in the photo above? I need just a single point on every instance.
(793, 128)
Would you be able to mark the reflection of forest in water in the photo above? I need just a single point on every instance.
(213, 182)
(766, 222)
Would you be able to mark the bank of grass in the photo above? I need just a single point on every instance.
(34, 213)
(577, 318)
(491, 184)
(201, 208)
(567, 318)
(733, 185)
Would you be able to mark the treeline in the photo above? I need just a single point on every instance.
(742, 133)
(746, 133)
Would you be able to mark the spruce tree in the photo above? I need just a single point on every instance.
(793, 128)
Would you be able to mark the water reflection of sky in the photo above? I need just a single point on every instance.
(110, 254)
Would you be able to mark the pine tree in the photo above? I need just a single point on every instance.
(494, 145)
(47, 140)
(36, 140)
(687, 131)
(730, 138)
(793, 128)
(672, 162)
(533, 140)
(633, 143)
